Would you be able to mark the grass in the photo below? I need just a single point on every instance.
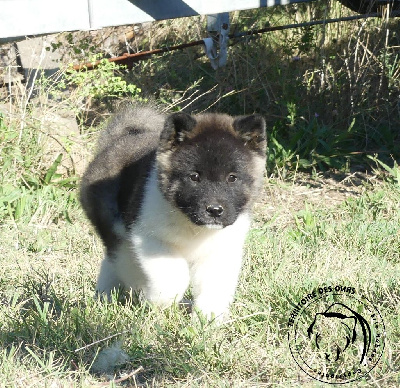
(52, 328)
(315, 88)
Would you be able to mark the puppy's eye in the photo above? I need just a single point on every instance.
(232, 178)
(195, 177)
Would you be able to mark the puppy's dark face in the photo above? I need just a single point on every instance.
(208, 167)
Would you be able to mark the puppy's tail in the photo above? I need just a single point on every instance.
(131, 119)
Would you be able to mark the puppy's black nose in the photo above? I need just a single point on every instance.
(215, 211)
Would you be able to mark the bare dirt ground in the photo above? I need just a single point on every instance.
(283, 198)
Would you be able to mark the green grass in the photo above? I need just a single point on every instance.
(48, 313)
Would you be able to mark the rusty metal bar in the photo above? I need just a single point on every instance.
(129, 59)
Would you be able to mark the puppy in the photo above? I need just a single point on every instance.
(171, 198)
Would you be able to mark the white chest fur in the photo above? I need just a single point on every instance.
(165, 251)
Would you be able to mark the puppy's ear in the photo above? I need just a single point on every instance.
(251, 129)
(176, 128)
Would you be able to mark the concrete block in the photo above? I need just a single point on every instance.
(37, 56)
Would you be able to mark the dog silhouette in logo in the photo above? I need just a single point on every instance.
(336, 329)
